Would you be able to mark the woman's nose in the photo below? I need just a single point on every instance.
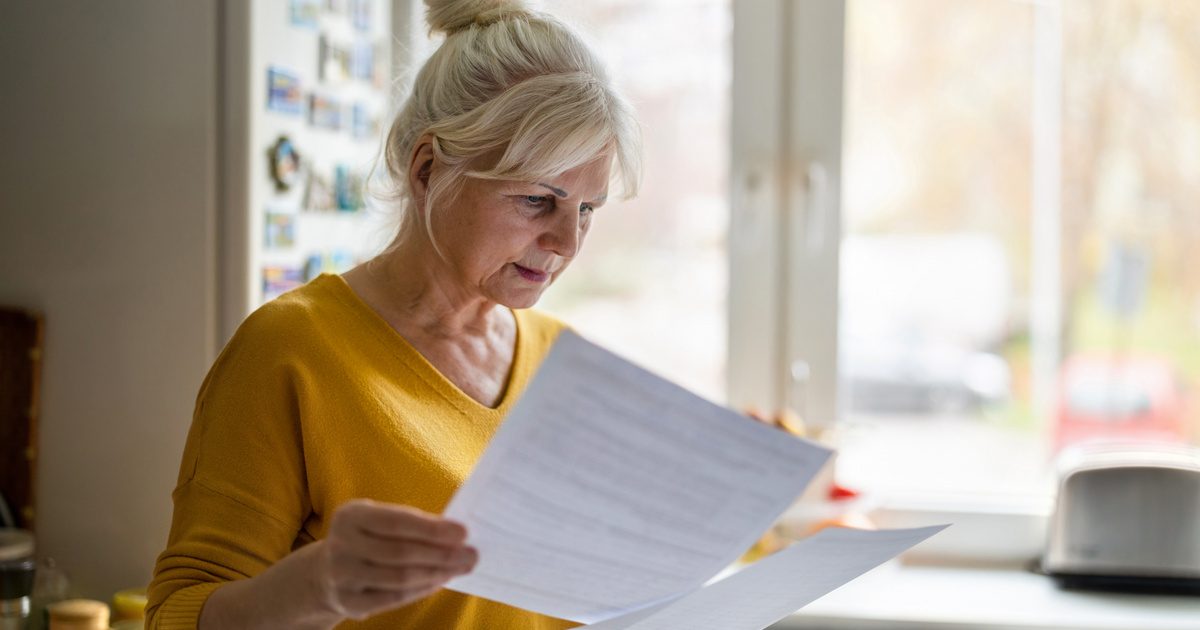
(563, 235)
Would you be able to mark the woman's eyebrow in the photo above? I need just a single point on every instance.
(562, 193)
(558, 191)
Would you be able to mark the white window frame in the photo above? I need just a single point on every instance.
(785, 229)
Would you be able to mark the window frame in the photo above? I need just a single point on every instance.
(785, 189)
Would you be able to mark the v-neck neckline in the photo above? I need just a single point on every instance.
(419, 364)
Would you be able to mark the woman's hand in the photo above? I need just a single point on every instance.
(376, 557)
(379, 556)
(785, 419)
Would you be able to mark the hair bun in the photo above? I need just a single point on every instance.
(448, 16)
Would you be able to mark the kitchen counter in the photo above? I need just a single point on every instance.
(908, 597)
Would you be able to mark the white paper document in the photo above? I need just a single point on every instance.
(776, 586)
(609, 490)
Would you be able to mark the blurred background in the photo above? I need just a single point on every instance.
(955, 237)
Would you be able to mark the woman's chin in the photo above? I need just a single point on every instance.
(527, 301)
(523, 298)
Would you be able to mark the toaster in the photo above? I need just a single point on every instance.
(1127, 519)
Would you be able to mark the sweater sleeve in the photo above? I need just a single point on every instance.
(241, 496)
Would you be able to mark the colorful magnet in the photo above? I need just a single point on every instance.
(364, 123)
(284, 164)
(283, 91)
(305, 13)
(360, 14)
(318, 194)
(335, 61)
(278, 279)
(362, 61)
(347, 188)
(324, 112)
(280, 230)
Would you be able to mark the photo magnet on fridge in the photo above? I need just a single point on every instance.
(324, 112)
(276, 279)
(364, 121)
(280, 230)
(305, 13)
(362, 61)
(283, 91)
(318, 194)
(347, 189)
(335, 60)
(360, 14)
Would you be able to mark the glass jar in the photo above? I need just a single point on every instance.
(17, 568)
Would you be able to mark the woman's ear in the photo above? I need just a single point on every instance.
(420, 165)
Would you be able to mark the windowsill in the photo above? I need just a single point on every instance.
(899, 596)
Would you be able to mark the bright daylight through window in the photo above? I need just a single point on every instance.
(942, 215)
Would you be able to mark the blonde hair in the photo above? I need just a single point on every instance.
(516, 88)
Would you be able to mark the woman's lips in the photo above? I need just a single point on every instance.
(531, 274)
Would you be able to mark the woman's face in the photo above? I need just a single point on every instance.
(508, 240)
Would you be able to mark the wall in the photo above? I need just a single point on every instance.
(107, 225)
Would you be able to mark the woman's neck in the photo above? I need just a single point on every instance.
(416, 291)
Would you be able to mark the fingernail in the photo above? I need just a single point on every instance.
(456, 531)
(466, 556)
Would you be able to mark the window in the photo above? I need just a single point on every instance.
(1000, 196)
(937, 294)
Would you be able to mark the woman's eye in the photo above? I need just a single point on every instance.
(585, 216)
(536, 201)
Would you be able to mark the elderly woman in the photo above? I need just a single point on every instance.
(341, 418)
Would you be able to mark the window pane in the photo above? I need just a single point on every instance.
(1131, 189)
(938, 262)
(651, 280)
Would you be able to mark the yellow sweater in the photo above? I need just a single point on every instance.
(315, 401)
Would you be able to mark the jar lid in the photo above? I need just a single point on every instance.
(15, 544)
(129, 603)
(75, 610)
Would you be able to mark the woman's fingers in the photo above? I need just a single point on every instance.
(370, 577)
(400, 521)
(371, 589)
(758, 414)
(382, 556)
(397, 536)
(785, 419)
(363, 604)
(398, 551)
